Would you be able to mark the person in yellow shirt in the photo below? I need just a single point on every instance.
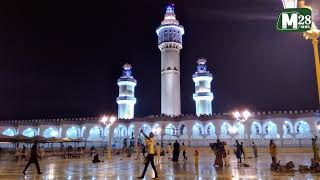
(150, 157)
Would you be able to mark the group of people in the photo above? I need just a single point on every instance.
(154, 152)
(221, 150)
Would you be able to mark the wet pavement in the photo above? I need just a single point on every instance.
(121, 167)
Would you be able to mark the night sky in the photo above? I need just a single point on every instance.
(63, 58)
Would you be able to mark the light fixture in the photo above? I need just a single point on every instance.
(108, 121)
(243, 116)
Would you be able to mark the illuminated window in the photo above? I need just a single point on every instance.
(72, 133)
(271, 130)
(29, 132)
(240, 130)
(170, 130)
(9, 132)
(95, 134)
(146, 129)
(50, 132)
(225, 130)
(303, 130)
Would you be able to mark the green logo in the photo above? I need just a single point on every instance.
(294, 20)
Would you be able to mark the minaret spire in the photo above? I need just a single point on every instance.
(126, 99)
(170, 43)
(203, 96)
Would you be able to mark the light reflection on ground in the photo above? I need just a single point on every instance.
(129, 169)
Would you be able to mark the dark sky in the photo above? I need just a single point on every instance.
(62, 58)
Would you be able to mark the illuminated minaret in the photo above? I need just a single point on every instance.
(170, 42)
(126, 99)
(203, 95)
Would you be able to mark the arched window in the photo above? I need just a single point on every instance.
(9, 132)
(303, 130)
(197, 130)
(72, 133)
(29, 132)
(50, 132)
(95, 134)
(170, 130)
(240, 130)
(225, 130)
(146, 129)
(271, 130)
(211, 131)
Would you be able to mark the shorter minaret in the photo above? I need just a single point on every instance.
(126, 99)
(203, 95)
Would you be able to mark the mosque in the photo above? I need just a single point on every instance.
(287, 128)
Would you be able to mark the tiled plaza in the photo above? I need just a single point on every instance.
(121, 167)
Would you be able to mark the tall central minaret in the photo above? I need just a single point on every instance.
(170, 42)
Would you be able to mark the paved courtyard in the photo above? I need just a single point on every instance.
(121, 167)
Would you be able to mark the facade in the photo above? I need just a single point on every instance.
(126, 99)
(170, 43)
(287, 128)
(203, 96)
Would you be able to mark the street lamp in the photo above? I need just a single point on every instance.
(313, 34)
(243, 116)
(108, 121)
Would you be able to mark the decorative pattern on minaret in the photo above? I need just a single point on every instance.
(127, 72)
(203, 95)
(126, 99)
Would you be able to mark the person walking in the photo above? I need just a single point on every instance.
(219, 152)
(238, 151)
(226, 157)
(169, 150)
(176, 151)
(255, 150)
(244, 151)
(315, 149)
(150, 157)
(33, 159)
(273, 151)
(158, 151)
(184, 151)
